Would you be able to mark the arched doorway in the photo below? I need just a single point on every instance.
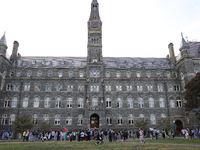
(179, 126)
(94, 121)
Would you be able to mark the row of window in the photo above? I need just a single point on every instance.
(95, 73)
(93, 88)
(57, 119)
(108, 102)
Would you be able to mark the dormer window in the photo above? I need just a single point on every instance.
(43, 62)
(174, 74)
(168, 74)
(95, 60)
(39, 74)
(60, 74)
(12, 74)
(33, 62)
(118, 75)
(148, 74)
(128, 74)
(81, 74)
(138, 74)
(18, 74)
(29, 74)
(70, 74)
(49, 74)
(158, 74)
(107, 74)
(62, 62)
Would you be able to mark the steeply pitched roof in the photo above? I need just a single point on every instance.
(183, 42)
(3, 40)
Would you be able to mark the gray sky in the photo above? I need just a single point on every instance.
(131, 28)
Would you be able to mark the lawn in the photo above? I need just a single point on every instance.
(92, 146)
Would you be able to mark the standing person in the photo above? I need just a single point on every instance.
(24, 136)
(134, 133)
(33, 133)
(163, 133)
(197, 133)
(124, 135)
(88, 135)
(152, 134)
(141, 136)
(61, 135)
(36, 135)
(172, 133)
(183, 132)
(156, 133)
(110, 135)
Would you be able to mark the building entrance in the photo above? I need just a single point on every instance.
(179, 126)
(94, 121)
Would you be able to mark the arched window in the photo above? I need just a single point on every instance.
(69, 102)
(37, 87)
(119, 102)
(7, 102)
(48, 87)
(141, 116)
(148, 74)
(130, 119)
(27, 87)
(140, 103)
(34, 118)
(172, 103)
(120, 120)
(57, 120)
(149, 88)
(14, 102)
(80, 102)
(160, 88)
(47, 102)
(108, 88)
(130, 103)
(59, 87)
(139, 88)
(36, 102)
(94, 102)
(58, 102)
(152, 119)
(92, 41)
(151, 102)
(25, 102)
(108, 103)
(4, 120)
(118, 75)
(69, 121)
(161, 102)
(81, 88)
(163, 115)
(70, 88)
(108, 120)
(178, 102)
(12, 118)
(129, 88)
(49, 74)
(138, 74)
(80, 119)
(46, 118)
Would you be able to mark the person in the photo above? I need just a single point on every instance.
(96, 137)
(183, 133)
(169, 133)
(172, 133)
(141, 136)
(156, 133)
(24, 136)
(152, 134)
(88, 135)
(133, 133)
(197, 133)
(27, 135)
(61, 135)
(163, 133)
(110, 135)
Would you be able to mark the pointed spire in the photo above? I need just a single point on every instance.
(95, 11)
(183, 42)
(3, 39)
(94, 1)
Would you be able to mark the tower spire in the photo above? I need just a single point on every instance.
(3, 39)
(183, 42)
(94, 11)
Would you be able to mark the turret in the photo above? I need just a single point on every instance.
(184, 48)
(3, 46)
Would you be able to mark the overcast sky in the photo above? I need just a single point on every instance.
(131, 28)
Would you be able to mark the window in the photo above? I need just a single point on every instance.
(178, 102)
(172, 103)
(176, 88)
(59, 87)
(18, 74)
(108, 88)
(36, 102)
(58, 102)
(16, 87)
(49, 74)
(128, 74)
(7, 103)
(163, 115)
(120, 120)
(94, 102)
(130, 119)
(69, 121)
(148, 74)
(25, 102)
(108, 120)
(118, 75)
(33, 62)
(152, 119)
(35, 119)
(158, 74)
(174, 74)
(161, 102)
(80, 119)
(9, 87)
(94, 88)
(149, 88)
(160, 88)
(80, 103)
(139, 88)
(4, 119)
(94, 60)
(151, 102)
(14, 102)
(95, 74)
(129, 88)
(60, 74)
(12, 118)
(168, 75)
(29, 74)
(70, 88)
(70, 74)
(46, 118)
(27, 87)
(81, 88)
(183, 80)
(57, 120)
(141, 116)
(48, 87)
(81, 74)
(118, 88)
(107, 74)
(69, 103)
(140, 103)
(47, 102)
(119, 102)
(170, 88)
(12, 74)
(39, 74)
(108, 103)
(130, 103)
(37, 87)
(138, 74)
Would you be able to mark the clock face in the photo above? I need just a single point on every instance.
(94, 24)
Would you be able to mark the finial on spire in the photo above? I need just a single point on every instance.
(182, 34)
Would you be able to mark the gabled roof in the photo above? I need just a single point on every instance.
(3, 40)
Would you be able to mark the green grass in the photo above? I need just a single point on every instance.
(172, 141)
(91, 146)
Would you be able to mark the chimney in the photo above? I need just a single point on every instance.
(171, 50)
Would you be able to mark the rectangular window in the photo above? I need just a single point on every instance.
(7, 103)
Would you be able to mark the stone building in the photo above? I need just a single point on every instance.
(97, 91)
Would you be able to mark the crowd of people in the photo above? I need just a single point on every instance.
(101, 135)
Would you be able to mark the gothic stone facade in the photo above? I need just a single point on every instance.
(96, 91)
